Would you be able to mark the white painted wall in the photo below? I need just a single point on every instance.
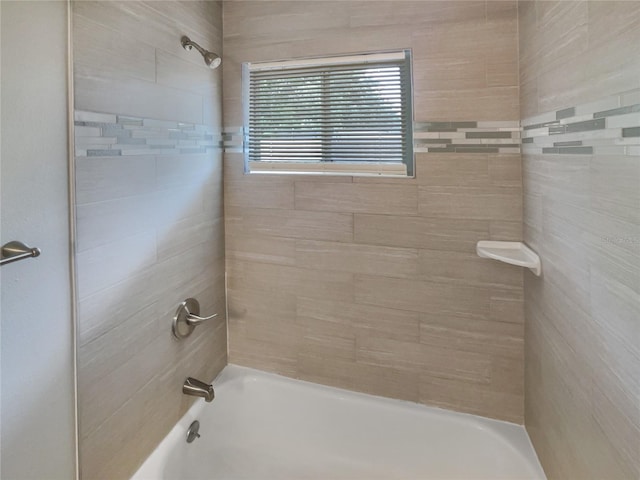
(37, 426)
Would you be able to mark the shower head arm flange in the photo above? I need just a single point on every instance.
(187, 44)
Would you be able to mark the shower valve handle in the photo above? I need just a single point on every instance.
(187, 318)
(193, 319)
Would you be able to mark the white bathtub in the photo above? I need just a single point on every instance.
(262, 427)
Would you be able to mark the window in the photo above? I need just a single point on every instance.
(349, 114)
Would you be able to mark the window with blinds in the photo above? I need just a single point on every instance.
(349, 114)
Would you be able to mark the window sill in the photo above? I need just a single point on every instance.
(329, 168)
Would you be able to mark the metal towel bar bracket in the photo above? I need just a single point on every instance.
(187, 318)
(15, 251)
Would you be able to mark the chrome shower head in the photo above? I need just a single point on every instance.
(211, 59)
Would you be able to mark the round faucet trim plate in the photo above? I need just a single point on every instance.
(192, 432)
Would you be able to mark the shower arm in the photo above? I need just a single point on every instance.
(211, 59)
(187, 44)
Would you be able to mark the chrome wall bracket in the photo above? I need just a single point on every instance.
(187, 318)
(14, 251)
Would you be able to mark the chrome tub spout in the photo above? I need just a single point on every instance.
(197, 388)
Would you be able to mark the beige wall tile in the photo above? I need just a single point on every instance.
(265, 316)
(501, 73)
(449, 73)
(98, 178)
(615, 188)
(420, 296)
(563, 28)
(505, 170)
(155, 24)
(268, 356)
(261, 248)
(453, 169)
(98, 46)
(471, 398)
(495, 103)
(269, 23)
(560, 87)
(336, 373)
(269, 328)
(507, 231)
(189, 233)
(468, 269)
(252, 193)
(528, 98)
(234, 172)
(136, 98)
(506, 309)
(361, 320)
(246, 303)
(356, 198)
(387, 382)
(420, 232)
(473, 37)
(104, 222)
(615, 410)
(377, 380)
(355, 258)
(495, 203)
(290, 223)
(414, 13)
(102, 447)
(329, 346)
(99, 399)
(203, 16)
(99, 356)
(473, 335)
(193, 171)
(578, 51)
(152, 411)
(300, 281)
(172, 71)
(105, 309)
(104, 266)
(424, 359)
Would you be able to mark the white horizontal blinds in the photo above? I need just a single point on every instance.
(347, 109)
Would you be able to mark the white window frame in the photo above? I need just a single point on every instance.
(406, 169)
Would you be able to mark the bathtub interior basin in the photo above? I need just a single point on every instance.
(266, 427)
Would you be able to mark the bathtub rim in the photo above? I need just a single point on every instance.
(513, 435)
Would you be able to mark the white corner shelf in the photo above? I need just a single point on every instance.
(514, 253)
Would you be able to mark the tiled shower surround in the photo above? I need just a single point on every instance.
(580, 79)
(373, 284)
(148, 171)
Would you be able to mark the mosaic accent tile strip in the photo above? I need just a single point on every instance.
(466, 137)
(108, 135)
(233, 139)
(608, 126)
(431, 137)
